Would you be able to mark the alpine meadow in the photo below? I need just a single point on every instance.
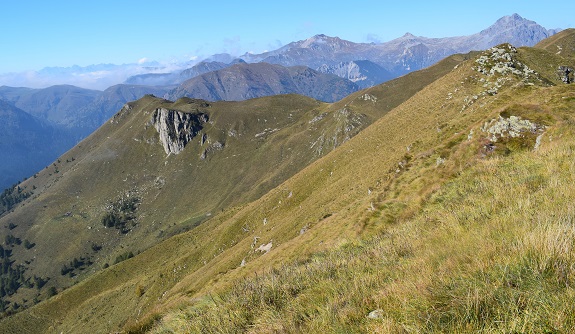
(440, 201)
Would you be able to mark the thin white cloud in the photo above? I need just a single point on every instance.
(373, 38)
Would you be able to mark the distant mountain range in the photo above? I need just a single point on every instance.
(287, 214)
(245, 81)
(368, 64)
(399, 56)
(322, 67)
(405, 54)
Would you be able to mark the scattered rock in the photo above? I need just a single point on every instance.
(368, 97)
(513, 126)
(255, 242)
(376, 314)
(537, 142)
(265, 248)
(266, 132)
(217, 146)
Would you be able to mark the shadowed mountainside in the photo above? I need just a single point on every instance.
(245, 81)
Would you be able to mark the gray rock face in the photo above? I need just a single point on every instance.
(176, 129)
(513, 126)
(363, 73)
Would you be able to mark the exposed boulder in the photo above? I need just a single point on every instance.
(376, 314)
(177, 128)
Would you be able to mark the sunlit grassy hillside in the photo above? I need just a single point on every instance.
(438, 216)
(66, 230)
(458, 232)
(490, 248)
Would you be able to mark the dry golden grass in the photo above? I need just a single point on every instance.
(413, 217)
(491, 250)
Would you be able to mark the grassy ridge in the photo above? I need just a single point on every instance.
(453, 145)
(490, 250)
(88, 177)
(389, 193)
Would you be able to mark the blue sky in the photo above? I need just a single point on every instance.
(37, 34)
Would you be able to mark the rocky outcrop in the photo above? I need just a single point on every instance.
(498, 64)
(217, 146)
(565, 74)
(176, 128)
(513, 126)
(510, 133)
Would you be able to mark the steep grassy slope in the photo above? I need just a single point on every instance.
(490, 249)
(471, 225)
(443, 187)
(122, 177)
(123, 160)
(374, 183)
(404, 179)
(240, 153)
(562, 44)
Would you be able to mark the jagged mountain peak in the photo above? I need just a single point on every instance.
(516, 30)
(510, 21)
(513, 18)
(322, 41)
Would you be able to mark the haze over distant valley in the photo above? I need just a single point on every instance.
(322, 67)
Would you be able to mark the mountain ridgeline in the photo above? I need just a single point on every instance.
(246, 81)
(75, 112)
(283, 213)
(159, 168)
(402, 55)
